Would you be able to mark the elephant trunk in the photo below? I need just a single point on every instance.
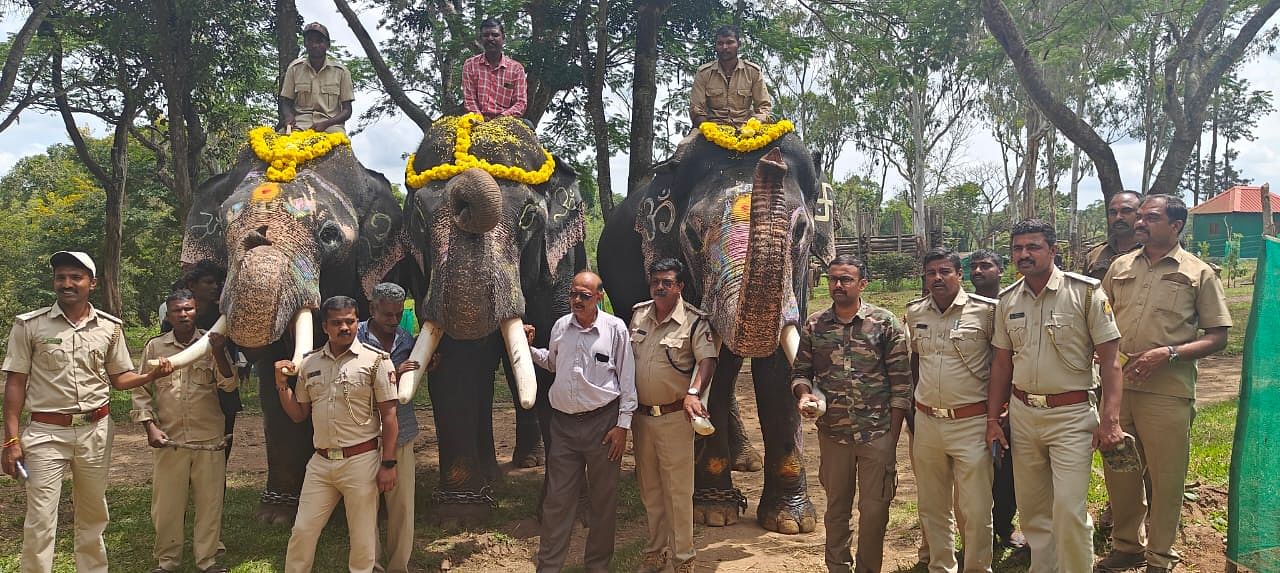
(475, 200)
(266, 289)
(767, 268)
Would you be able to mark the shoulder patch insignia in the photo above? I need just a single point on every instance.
(1106, 306)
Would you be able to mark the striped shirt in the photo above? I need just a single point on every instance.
(494, 90)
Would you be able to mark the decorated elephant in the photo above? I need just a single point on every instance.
(497, 228)
(296, 220)
(745, 222)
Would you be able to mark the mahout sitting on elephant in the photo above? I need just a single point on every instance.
(296, 220)
(744, 214)
(497, 229)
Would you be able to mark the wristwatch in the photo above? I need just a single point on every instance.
(1173, 354)
(692, 391)
(388, 464)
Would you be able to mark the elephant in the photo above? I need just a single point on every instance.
(493, 253)
(334, 229)
(744, 224)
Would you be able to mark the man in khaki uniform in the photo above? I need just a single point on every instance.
(317, 90)
(185, 423)
(670, 337)
(1122, 213)
(62, 363)
(1163, 296)
(729, 90)
(348, 389)
(1049, 325)
(950, 332)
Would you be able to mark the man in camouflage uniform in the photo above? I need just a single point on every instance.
(1122, 213)
(856, 355)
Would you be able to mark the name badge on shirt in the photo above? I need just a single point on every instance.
(311, 375)
(922, 326)
(1017, 315)
(51, 341)
(600, 357)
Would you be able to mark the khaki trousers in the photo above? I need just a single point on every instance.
(1052, 453)
(399, 514)
(353, 480)
(951, 454)
(178, 471)
(1165, 423)
(843, 469)
(664, 472)
(51, 451)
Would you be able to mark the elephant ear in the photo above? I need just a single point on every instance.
(204, 236)
(566, 226)
(824, 226)
(382, 240)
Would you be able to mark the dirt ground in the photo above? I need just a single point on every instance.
(744, 546)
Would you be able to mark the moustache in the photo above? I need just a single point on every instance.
(1026, 261)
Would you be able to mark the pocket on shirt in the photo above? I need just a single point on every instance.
(51, 357)
(302, 97)
(1173, 293)
(329, 95)
(1017, 328)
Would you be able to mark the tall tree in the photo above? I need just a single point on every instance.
(644, 88)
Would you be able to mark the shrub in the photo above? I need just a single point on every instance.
(893, 268)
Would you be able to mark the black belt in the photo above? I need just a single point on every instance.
(589, 413)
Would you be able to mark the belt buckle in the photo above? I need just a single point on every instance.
(333, 453)
(1037, 400)
(944, 413)
(80, 420)
(655, 411)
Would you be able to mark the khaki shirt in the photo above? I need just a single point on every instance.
(954, 346)
(317, 95)
(344, 392)
(67, 366)
(184, 404)
(658, 345)
(1099, 259)
(730, 100)
(1161, 304)
(1053, 335)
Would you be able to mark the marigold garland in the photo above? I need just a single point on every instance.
(463, 160)
(283, 153)
(750, 137)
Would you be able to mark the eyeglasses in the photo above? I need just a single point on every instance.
(842, 280)
(665, 283)
(577, 295)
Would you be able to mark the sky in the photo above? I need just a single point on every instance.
(382, 145)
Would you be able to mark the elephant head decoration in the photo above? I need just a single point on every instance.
(745, 223)
(335, 228)
(497, 229)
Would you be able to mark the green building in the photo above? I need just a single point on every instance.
(1238, 210)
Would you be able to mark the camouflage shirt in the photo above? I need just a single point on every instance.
(862, 368)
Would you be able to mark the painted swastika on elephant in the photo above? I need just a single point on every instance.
(824, 205)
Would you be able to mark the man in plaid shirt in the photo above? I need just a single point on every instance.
(493, 85)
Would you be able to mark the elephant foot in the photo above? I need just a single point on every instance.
(277, 508)
(461, 509)
(718, 507)
(747, 460)
(787, 515)
(531, 458)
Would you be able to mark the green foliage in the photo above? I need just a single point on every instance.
(1232, 260)
(1202, 250)
(892, 268)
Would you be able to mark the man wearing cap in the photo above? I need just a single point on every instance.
(185, 423)
(62, 363)
(493, 84)
(317, 91)
(348, 390)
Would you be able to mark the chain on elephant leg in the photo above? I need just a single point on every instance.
(277, 508)
(718, 507)
(460, 509)
(745, 456)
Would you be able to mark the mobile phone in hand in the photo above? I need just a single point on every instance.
(997, 456)
(22, 471)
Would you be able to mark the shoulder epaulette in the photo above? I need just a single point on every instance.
(640, 305)
(33, 314)
(983, 298)
(1012, 287)
(707, 65)
(916, 300)
(1083, 278)
(109, 317)
(752, 64)
(312, 351)
(297, 61)
(695, 310)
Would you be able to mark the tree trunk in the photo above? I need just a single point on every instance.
(18, 48)
(389, 81)
(1196, 175)
(917, 163)
(1051, 175)
(1000, 23)
(595, 64)
(1211, 190)
(644, 89)
(1148, 108)
(1029, 163)
(287, 27)
(173, 42)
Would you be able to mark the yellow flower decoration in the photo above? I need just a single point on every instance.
(463, 160)
(750, 137)
(283, 153)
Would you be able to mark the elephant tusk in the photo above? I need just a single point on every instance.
(702, 426)
(790, 341)
(521, 361)
(423, 349)
(197, 349)
(303, 337)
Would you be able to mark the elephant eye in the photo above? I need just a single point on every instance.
(330, 235)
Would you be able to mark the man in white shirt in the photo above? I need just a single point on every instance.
(592, 399)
